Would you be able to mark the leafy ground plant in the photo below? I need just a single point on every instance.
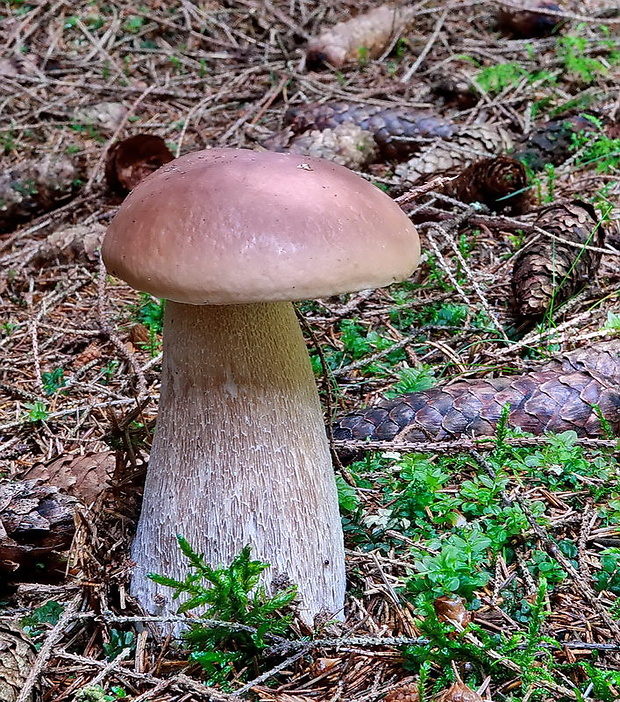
(242, 619)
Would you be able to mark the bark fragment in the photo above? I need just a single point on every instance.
(547, 272)
(559, 396)
(360, 39)
(36, 527)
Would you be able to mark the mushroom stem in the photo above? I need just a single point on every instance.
(240, 456)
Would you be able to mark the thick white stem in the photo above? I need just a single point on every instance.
(240, 456)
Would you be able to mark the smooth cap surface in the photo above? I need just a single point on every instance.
(228, 226)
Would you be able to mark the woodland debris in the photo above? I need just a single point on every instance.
(398, 131)
(552, 142)
(404, 692)
(458, 692)
(500, 183)
(36, 186)
(74, 243)
(36, 527)
(456, 91)
(357, 40)
(546, 271)
(84, 477)
(17, 656)
(346, 144)
(129, 161)
(102, 115)
(451, 609)
(529, 23)
(564, 394)
(467, 145)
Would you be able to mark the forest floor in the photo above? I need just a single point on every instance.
(499, 569)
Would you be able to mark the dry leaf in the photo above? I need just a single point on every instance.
(451, 609)
(103, 115)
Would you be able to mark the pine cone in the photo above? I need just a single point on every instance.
(398, 131)
(36, 186)
(130, 160)
(468, 145)
(548, 272)
(359, 39)
(526, 24)
(346, 144)
(557, 397)
(458, 692)
(407, 692)
(500, 183)
(552, 142)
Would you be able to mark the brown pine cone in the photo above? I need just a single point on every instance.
(458, 692)
(469, 144)
(398, 131)
(500, 183)
(557, 397)
(36, 186)
(359, 39)
(407, 692)
(548, 272)
(530, 23)
(130, 160)
(346, 144)
(552, 141)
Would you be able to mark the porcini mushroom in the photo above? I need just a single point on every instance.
(229, 237)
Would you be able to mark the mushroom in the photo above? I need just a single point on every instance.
(229, 237)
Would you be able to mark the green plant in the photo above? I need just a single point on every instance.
(571, 50)
(150, 312)
(608, 578)
(412, 380)
(494, 79)
(233, 597)
(48, 613)
(96, 693)
(53, 380)
(37, 411)
(119, 640)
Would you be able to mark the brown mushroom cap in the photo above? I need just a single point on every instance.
(233, 226)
